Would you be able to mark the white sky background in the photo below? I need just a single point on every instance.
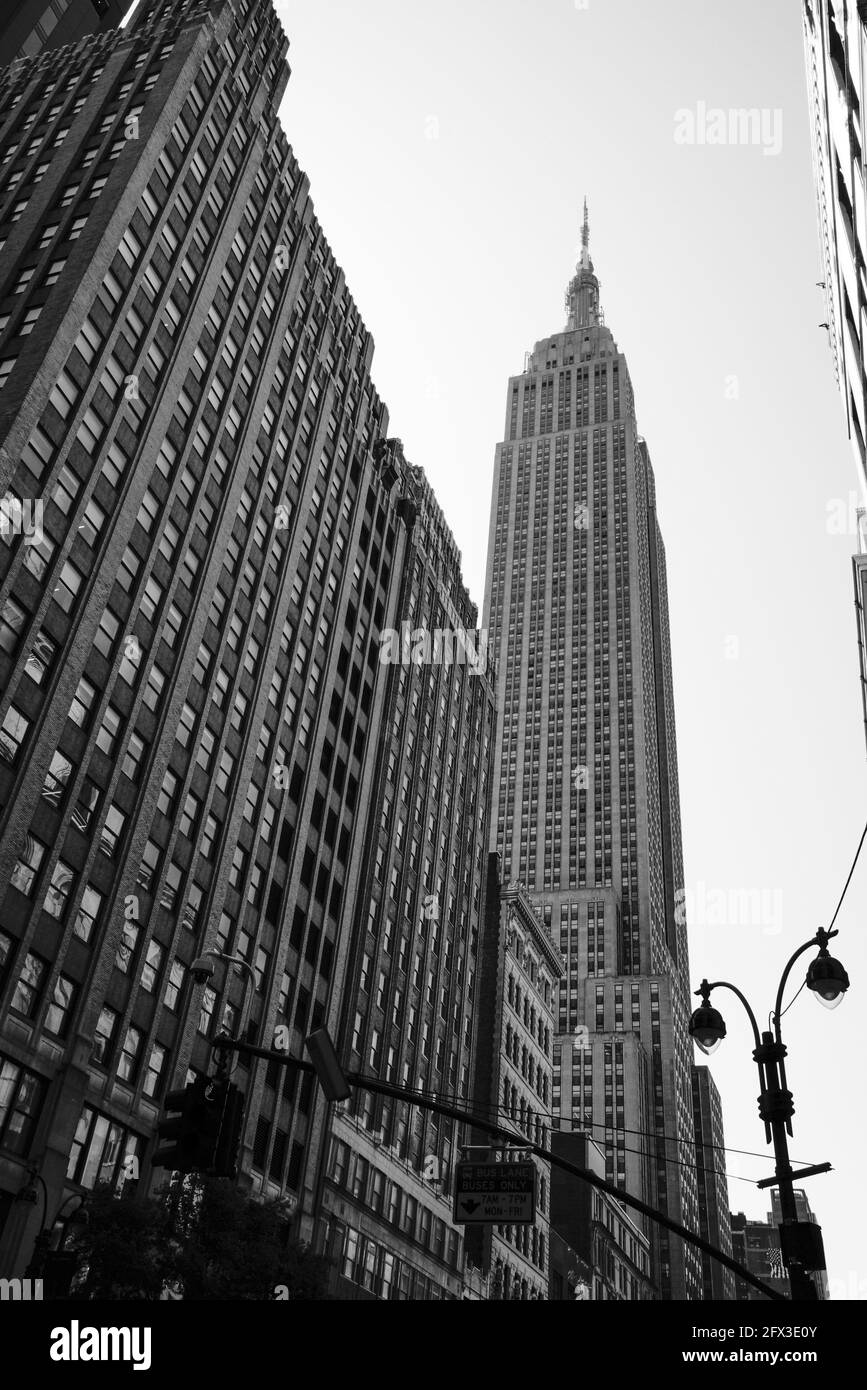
(458, 250)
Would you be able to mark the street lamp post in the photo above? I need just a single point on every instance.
(202, 970)
(47, 1259)
(801, 1241)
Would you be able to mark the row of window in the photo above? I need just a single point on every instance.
(369, 1186)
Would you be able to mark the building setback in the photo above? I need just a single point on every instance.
(405, 1002)
(713, 1198)
(193, 703)
(520, 972)
(611, 1253)
(28, 27)
(586, 809)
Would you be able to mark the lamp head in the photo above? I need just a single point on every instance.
(707, 1028)
(202, 969)
(827, 979)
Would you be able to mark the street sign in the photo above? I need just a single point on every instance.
(499, 1194)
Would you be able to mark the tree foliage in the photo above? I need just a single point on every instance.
(200, 1239)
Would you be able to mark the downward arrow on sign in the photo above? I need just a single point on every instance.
(470, 1206)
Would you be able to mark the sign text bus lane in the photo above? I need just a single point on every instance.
(497, 1193)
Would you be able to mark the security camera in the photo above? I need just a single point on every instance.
(202, 969)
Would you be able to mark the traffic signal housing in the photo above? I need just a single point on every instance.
(202, 1129)
(229, 1139)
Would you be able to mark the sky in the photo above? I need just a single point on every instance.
(449, 148)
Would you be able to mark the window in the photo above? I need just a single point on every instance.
(154, 1072)
(64, 395)
(12, 620)
(106, 739)
(28, 323)
(112, 830)
(407, 1221)
(21, 1097)
(27, 866)
(209, 999)
(82, 702)
(173, 988)
(152, 967)
(30, 982)
(106, 633)
(13, 732)
(151, 599)
(66, 590)
(154, 688)
(126, 946)
(58, 1011)
(91, 902)
(148, 511)
(38, 556)
(41, 657)
(91, 523)
(129, 1054)
(66, 490)
(57, 896)
(99, 1149)
(102, 1042)
(54, 272)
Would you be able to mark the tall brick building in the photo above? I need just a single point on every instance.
(193, 702)
(405, 1007)
(29, 27)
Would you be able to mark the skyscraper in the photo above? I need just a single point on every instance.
(586, 810)
(28, 27)
(207, 530)
(405, 1000)
(834, 39)
(713, 1198)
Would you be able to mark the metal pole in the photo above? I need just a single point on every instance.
(776, 1109)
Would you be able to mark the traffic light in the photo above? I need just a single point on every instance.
(327, 1066)
(203, 1133)
(188, 1137)
(229, 1138)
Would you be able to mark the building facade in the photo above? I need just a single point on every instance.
(520, 975)
(610, 1250)
(405, 1004)
(209, 530)
(835, 37)
(586, 810)
(718, 1283)
(756, 1244)
(28, 27)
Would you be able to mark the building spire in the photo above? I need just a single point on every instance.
(586, 263)
(582, 296)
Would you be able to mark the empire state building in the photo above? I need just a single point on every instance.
(586, 802)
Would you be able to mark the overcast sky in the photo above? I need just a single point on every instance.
(449, 147)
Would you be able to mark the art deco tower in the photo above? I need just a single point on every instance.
(586, 807)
